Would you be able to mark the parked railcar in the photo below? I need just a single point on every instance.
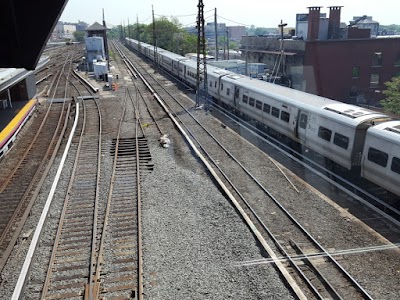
(333, 129)
(381, 156)
(342, 132)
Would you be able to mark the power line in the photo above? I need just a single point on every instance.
(219, 16)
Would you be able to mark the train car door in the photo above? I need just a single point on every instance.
(236, 97)
(302, 123)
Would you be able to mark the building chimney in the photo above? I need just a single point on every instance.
(334, 22)
(313, 23)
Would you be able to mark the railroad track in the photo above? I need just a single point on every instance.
(319, 277)
(73, 244)
(21, 187)
(97, 250)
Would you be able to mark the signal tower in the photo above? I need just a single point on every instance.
(201, 78)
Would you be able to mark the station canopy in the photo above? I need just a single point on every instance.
(25, 27)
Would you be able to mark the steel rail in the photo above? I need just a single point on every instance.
(358, 287)
(17, 230)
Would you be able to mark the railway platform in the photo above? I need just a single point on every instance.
(12, 121)
(8, 114)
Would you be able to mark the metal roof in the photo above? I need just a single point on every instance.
(96, 27)
(25, 27)
(10, 77)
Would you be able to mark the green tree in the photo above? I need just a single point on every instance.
(392, 101)
(114, 32)
(79, 36)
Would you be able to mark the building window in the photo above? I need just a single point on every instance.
(325, 133)
(397, 62)
(377, 59)
(355, 73)
(378, 157)
(341, 140)
(374, 82)
(396, 165)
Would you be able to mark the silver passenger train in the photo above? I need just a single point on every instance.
(353, 137)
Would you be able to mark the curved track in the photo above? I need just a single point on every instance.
(20, 188)
(333, 280)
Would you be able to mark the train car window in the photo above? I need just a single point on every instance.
(211, 84)
(258, 104)
(245, 98)
(325, 133)
(222, 86)
(267, 108)
(303, 121)
(215, 84)
(228, 91)
(378, 157)
(395, 165)
(275, 112)
(341, 140)
(285, 116)
(251, 101)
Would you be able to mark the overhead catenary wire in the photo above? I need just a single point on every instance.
(320, 255)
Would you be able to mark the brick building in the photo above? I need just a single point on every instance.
(332, 60)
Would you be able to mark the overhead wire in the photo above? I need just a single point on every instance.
(321, 254)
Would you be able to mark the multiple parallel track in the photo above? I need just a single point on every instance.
(20, 188)
(327, 280)
(97, 251)
(78, 226)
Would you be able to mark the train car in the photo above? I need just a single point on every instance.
(381, 156)
(169, 61)
(214, 76)
(10, 132)
(349, 135)
(333, 129)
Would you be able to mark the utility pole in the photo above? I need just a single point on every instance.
(129, 30)
(282, 53)
(201, 78)
(121, 33)
(227, 42)
(247, 55)
(154, 39)
(138, 32)
(216, 34)
(106, 42)
(123, 29)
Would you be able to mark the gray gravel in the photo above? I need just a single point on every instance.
(193, 238)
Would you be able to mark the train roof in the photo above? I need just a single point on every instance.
(387, 130)
(347, 113)
(172, 55)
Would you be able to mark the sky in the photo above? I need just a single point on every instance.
(260, 13)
